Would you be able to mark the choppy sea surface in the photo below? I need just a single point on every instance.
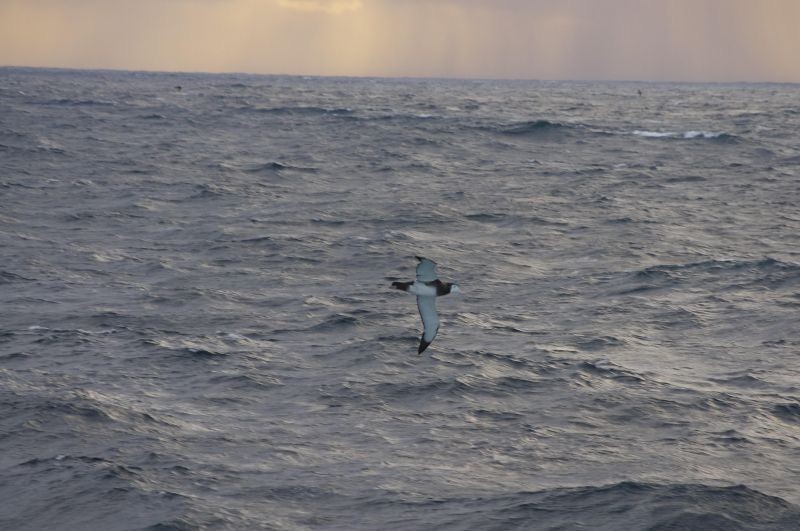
(197, 329)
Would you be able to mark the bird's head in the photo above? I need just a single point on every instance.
(454, 288)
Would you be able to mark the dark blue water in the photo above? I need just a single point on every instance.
(197, 329)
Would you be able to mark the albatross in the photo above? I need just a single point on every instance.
(427, 287)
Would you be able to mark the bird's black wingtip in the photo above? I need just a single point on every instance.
(423, 345)
(401, 285)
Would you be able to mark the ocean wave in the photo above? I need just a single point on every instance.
(627, 505)
(745, 380)
(203, 347)
(497, 384)
(764, 264)
(397, 117)
(73, 484)
(707, 135)
(685, 179)
(449, 387)
(7, 277)
(487, 217)
(731, 438)
(67, 336)
(335, 322)
(788, 412)
(76, 411)
(536, 127)
(601, 343)
(205, 191)
(244, 382)
(70, 102)
(549, 130)
(301, 110)
(688, 135)
(769, 271)
(654, 134)
(278, 168)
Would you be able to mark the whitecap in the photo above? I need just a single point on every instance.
(702, 134)
(653, 134)
(687, 135)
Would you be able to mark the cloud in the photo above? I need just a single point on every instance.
(695, 40)
(327, 6)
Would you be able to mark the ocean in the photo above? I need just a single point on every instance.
(197, 328)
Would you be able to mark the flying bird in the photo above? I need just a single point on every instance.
(427, 287)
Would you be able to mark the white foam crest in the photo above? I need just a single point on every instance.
(702, 134)
(687, 135)
(653, 134)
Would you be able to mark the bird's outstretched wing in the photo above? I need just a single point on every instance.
(426, 270)
(430, 320)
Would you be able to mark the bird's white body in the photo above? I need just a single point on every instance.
(420, 289)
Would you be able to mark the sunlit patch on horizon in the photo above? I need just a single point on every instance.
(328, 6)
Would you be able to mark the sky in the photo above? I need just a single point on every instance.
(649, 40)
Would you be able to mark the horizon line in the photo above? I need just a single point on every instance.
(388, 77)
